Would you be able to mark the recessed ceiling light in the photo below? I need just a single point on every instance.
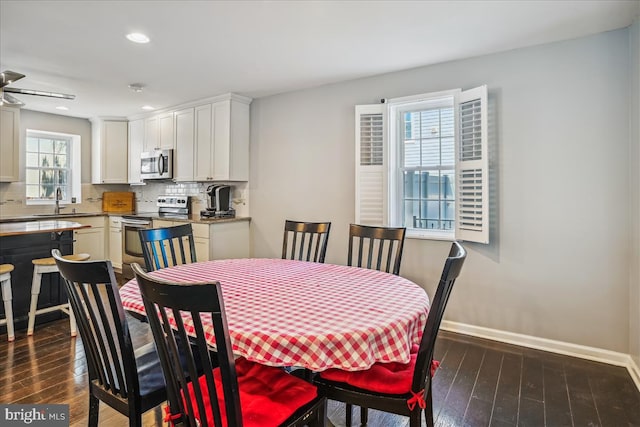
(138, 38)
(62, 107)
(147, 107)
(136, 87)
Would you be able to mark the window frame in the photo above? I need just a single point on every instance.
(73, 166)
(395, 109)
(375, 184)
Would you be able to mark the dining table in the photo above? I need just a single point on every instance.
(304, 314)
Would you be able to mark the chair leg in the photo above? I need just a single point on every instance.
(35, 292)
(348, 412)
(364, 416)
(8, 310)
(428, 411)
(94, 411)
(72, 322)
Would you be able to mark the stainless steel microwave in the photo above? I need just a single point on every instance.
(157, 164)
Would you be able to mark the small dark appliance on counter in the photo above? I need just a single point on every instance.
(218, 202)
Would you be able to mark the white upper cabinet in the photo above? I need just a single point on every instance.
(109, 143)
(221, 145)
(9, 144)
(136, 144)
(167, 136)
(184, 124)
(151, 134)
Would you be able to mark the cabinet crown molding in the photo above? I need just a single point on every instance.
(209, 100)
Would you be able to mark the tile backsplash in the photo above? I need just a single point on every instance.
(13, 200)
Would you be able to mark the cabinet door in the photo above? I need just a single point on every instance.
(151, 137)
(167, 138)
(115, 241)
(136, 144)
(90, 241)
(184, 121)
(203, 144)
(9, 144)
(114, 147)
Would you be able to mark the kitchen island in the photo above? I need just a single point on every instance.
(21, 242)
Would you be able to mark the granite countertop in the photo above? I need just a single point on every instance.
(39, 226)
(195, 218)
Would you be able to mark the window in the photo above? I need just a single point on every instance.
(52, 162)
(431, 172)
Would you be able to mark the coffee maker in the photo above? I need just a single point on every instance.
(218, 202)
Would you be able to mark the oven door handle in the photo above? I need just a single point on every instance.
(135, 222)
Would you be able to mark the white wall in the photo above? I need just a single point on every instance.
(634, 168)
(558, 264)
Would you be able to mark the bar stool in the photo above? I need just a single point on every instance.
(5, 281)
(43, 266)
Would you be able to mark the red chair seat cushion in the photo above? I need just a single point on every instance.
(268, 395)
(389, 378)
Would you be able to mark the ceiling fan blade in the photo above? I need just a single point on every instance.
(6, 99)
(7, 77)
(39, 93)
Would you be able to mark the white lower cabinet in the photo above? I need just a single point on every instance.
(217, 240)
(89, 240)
(115, 242)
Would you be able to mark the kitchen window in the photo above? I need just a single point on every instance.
(421, 163)
(52, 162)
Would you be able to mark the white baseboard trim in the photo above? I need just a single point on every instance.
(560, 347)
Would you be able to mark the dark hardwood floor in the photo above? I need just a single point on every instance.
(479, 383)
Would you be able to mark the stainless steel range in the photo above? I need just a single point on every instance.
(168, 207)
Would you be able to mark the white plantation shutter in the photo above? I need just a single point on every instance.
(371, 173)
(472, 167)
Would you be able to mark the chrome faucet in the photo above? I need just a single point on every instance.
(58, 198)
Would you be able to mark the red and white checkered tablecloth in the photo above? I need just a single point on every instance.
(316, 316)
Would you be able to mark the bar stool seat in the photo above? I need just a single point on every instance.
(43, 266)
(5, 282)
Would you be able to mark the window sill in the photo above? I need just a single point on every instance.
(413, 233)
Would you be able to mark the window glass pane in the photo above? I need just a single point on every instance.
(411, 154)
(47, 183)
(32, 176)
(433, 186)
(32, 144)
(411, 212)
(33, 191)
(46, 146)
(411, 185)
(32, 160)
(46, 160)
(63, 178)
(430, 125)
(60, 160)
(447, 185)
(448, 155)
(430, 152)
(448, 215)
(447, 124)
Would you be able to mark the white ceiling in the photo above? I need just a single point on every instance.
(256, 48)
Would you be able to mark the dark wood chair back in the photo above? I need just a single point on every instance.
(166, 247)
(113, 377)
(305, 241)
(421, 380)
(450, 272)
(378, 248)
(168, 299)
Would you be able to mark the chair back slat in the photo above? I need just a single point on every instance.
(305, 241)
(166, 247)
(386, 243)
(93, 294)
(450, 272)
(173, 301)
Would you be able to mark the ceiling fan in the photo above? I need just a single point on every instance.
(8, 77)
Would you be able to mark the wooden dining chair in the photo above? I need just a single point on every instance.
(166, 247)
(378, 248)
(403, 389)
(305, 241)
(128, 380)
(237, 392)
